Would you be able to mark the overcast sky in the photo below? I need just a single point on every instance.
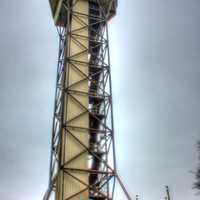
(155, 55)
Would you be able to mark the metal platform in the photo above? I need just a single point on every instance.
(58, 9)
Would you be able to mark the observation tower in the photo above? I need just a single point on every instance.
(83, 160)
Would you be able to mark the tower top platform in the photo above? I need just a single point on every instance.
(59, 12)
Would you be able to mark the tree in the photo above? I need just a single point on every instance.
(197, 174)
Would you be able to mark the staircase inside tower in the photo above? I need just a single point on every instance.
(96, 99)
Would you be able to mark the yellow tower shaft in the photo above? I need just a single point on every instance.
(73, 155)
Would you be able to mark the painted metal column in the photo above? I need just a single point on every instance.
(73, 153)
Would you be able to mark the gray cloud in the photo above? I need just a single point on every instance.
(155, 48)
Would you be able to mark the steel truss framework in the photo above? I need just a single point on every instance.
(101, 149)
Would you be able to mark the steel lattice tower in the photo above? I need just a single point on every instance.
(83, 162)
